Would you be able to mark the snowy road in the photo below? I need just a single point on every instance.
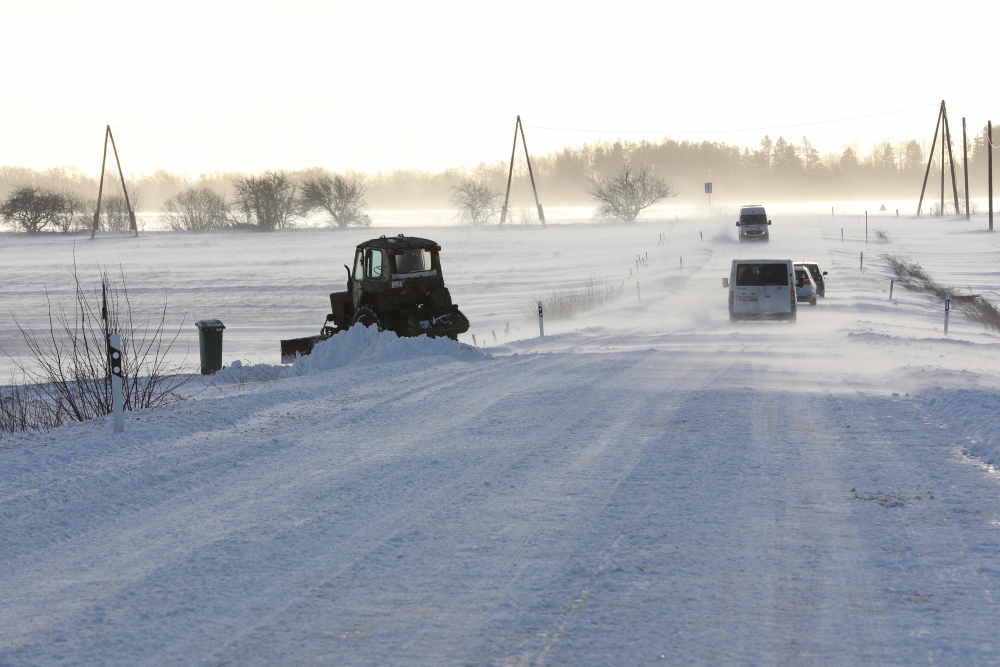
(655, 510)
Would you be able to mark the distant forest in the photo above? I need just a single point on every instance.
(776, 170)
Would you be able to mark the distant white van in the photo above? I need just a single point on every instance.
(753, 224)
(761, 288)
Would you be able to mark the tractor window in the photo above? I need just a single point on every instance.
(358, 266)
(373, 263)
(414, 260)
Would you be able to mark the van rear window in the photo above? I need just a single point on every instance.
(758, 275)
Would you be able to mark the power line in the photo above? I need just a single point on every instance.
(744, 129)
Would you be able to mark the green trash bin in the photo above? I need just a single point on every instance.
(210, 345)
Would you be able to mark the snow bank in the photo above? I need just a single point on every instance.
(972, 415)
(358, 346)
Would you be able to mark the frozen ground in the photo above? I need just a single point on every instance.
(647, 484)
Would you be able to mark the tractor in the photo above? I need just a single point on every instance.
(396, 285)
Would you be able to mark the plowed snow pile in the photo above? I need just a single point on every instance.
(358, 346)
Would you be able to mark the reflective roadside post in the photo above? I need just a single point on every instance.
(541, 321)
(117, 402)
(891, 284)
(947, 307)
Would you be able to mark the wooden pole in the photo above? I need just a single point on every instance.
(510, 173)
(100, 188)
(541, 215)
(943, 135)
(128, 204)
(951, 163)
(989, 162)
(930, 159)
(965, 166)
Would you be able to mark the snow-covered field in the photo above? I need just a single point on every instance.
(648, 484)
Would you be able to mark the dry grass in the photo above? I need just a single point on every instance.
(976, 308)
(882, 236)
(66, 376)
(564, 304)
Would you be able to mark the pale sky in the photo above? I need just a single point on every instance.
(196, 87)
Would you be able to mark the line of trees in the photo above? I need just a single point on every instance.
(775, 170)
(264, 202)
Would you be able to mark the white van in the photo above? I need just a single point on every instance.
(753, 224)
(761, 288)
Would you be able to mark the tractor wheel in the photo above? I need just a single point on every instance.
(367, 316)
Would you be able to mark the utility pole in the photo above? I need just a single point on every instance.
(989, 162)
(100, 189)
(510, 174)
(942, 126)
(965, 167)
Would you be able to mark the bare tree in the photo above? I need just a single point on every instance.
(31, 208)
(196, 210)
(624, 195)
(476, 201)
(266, 202)
(73, 214)
(341, 197)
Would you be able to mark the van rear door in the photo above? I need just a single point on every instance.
(747, 292)
(776, 286)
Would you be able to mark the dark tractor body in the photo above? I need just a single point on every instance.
(397, 285)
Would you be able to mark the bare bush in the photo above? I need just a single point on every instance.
(340, 197)
(564, 304)
(627, 193)
(73, 215)
(65, 377)
(196, 210)
(882, 236)
(475, 201)
(266, 202)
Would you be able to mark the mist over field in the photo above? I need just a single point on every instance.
(775, 170)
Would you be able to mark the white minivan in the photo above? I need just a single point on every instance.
(761, 288)
(753, 224)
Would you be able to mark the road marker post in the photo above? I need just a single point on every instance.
(947, 308)
(541, 320)
(891, 283)
(117, 399)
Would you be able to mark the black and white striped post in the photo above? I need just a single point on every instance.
(541, 320)
(117, 400)
(947, 308)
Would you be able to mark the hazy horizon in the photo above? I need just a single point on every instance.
(194, 88)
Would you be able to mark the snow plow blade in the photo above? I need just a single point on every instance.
(432, 322)
(298, 347)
